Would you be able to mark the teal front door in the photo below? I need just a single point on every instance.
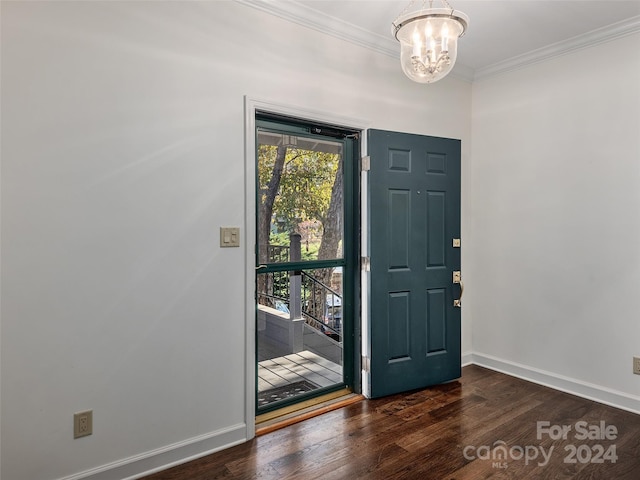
(414, 219)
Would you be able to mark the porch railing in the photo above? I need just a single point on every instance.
(321, 305)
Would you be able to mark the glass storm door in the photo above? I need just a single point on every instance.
(304, 261)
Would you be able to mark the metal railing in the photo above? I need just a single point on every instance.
(277, 253)
(321, 305)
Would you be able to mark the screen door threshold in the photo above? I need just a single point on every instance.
(274, 420)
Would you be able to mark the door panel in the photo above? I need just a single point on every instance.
(399, 214)
(436, 321)
(435, 233)
(400, 334)
(414, 215)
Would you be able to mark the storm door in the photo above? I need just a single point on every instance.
(305, 260)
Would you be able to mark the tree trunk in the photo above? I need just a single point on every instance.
(332, 224)
(265, 212)
(332, 227)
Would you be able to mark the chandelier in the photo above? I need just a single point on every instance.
(429, 40)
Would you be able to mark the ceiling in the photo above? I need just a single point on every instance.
(502, 35)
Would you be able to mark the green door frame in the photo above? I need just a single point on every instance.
(349, 138)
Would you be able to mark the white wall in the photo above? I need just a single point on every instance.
(554, 270)
(122, 155)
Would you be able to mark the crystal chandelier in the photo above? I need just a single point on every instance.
(429, 40)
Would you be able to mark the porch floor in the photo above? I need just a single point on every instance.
(296, 367)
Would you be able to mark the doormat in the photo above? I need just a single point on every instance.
(286, 391)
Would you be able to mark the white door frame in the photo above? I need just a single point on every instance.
(251, 106)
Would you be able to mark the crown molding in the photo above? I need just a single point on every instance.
(335, 27)
(461, 72)
(589, 39)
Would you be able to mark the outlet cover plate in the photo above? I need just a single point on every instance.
(636, 365)
(82, 424)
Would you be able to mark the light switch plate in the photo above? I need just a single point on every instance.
(229, 236)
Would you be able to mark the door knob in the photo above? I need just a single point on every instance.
(458, 302)
(457, 278)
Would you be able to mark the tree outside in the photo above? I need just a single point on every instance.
(299, 191)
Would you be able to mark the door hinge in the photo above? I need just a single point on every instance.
(366, 364)
(365, 264)
(365, 163)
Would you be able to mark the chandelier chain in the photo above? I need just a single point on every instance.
(424, 7)
(405, 10)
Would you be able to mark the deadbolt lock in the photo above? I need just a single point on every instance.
(456, 243)
(457, 277)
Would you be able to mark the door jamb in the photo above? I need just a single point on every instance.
(365, 274)
(251, 106)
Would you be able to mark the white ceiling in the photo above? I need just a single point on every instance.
(502, 34)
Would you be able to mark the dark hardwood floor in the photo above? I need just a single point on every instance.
(482, 426)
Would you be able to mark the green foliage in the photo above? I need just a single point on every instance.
(305, 186)
(281, 239)
(309, 250)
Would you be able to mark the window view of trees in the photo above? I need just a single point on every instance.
(300, 191)
(301, 260)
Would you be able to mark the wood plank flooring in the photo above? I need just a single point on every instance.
(483, 426)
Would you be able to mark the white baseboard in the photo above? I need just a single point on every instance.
(579, 388)
(467, 359)
(154, 461)
(166, 457)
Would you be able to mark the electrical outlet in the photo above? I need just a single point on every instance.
(82, 424)
(636, 365)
